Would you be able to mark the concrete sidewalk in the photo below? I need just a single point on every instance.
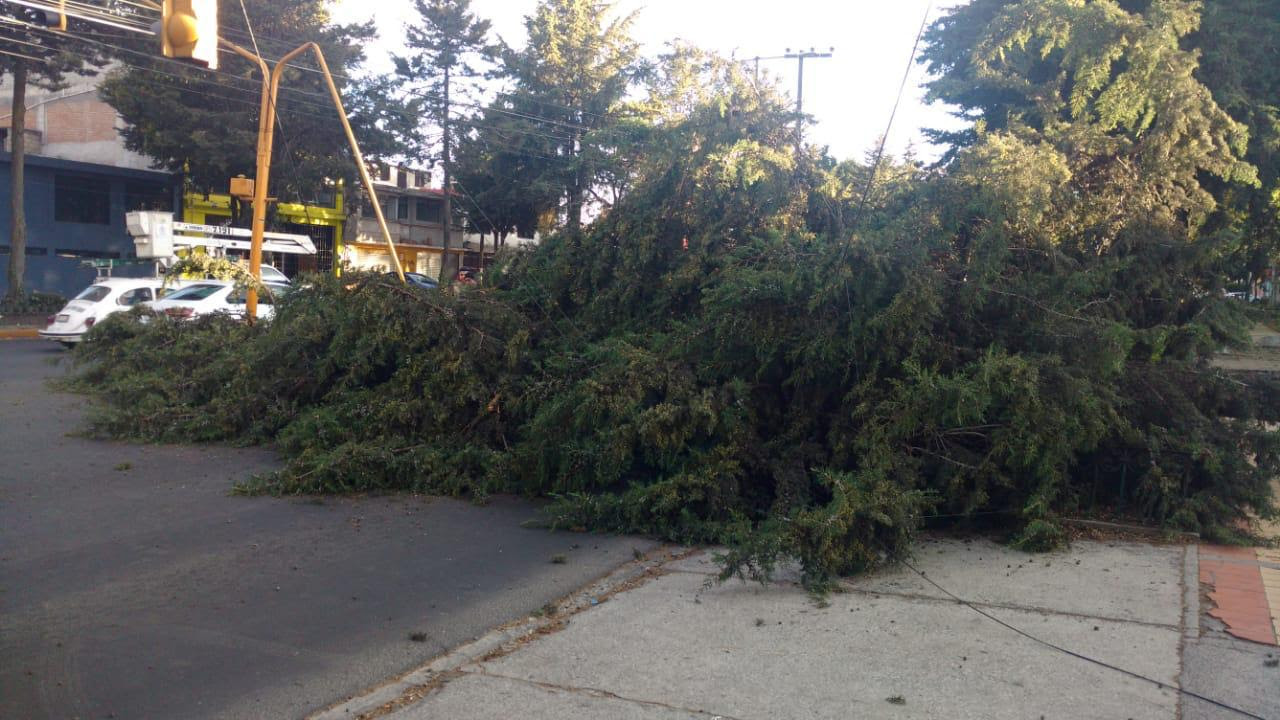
(662, 640)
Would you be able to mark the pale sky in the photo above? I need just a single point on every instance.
(850, 94)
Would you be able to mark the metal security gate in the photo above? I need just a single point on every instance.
(322, 261)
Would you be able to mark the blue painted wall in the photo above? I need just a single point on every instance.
(46, 270)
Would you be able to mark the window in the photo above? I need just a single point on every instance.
(239, 296)
(129, 298)
(402, 178)
(195, 292)
(87, 254)
(81, 199)
(147, 196)
(429, 210)
(384, 173)
(94, 293)
(402, 208)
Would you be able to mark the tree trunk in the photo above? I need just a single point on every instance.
(18, 218)
(574, 210)
(446, 263)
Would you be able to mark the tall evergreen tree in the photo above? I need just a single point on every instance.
(32, 57)
(1239, 43)
(1109, 93)
(568, 81)
(500, 169)
(443, 45)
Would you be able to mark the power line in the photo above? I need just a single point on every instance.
(184, 79)
(417, 93)
(875, 166)
(403, 113)
(323, 98)
(81, 11)
(1072, 653)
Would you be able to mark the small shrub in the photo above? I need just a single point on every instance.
(32, 303)
(1040, 536)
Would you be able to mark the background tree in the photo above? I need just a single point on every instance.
(204, 124)
(32, 57)
(443, 45)
(1111, 92)
(1239, 42)
(500, 171)
(567, 83)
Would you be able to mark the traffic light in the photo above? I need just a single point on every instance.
(189, 31)
(53, 19)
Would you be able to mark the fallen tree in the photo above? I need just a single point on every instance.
(741, 353)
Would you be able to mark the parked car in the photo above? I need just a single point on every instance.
(207, 297)
(272, 275)
(417, 280)
(96, 302)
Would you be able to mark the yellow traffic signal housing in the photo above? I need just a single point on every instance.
(54, 20)
(189, 31)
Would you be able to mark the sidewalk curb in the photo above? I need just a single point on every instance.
(19, 333)
(415, 685)
(1191, 592)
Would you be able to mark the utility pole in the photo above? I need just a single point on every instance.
(800, 57)
(447, 272)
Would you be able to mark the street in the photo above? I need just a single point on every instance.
(132, 585)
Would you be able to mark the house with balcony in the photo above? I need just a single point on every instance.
(414, 211)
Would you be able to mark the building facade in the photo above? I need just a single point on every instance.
(75, 216)
(80, 182)
(324, 222)
(71, 124)
(414, 212)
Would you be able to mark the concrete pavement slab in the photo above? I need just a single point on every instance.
(483, 697)
(744, 651)
(1122, 581)
(1138, 582)
(1239, 672)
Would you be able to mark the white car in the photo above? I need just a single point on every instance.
(271, 275)
(206, 297)
(96, 302)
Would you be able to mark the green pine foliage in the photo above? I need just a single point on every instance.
(1021, 335)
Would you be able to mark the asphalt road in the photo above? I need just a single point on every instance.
(132, 585)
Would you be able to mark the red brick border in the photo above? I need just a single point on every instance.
(1239, 596)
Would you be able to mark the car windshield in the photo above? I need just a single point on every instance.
(195, 292)
(237, 296)
(270, 274)
(94, 293)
